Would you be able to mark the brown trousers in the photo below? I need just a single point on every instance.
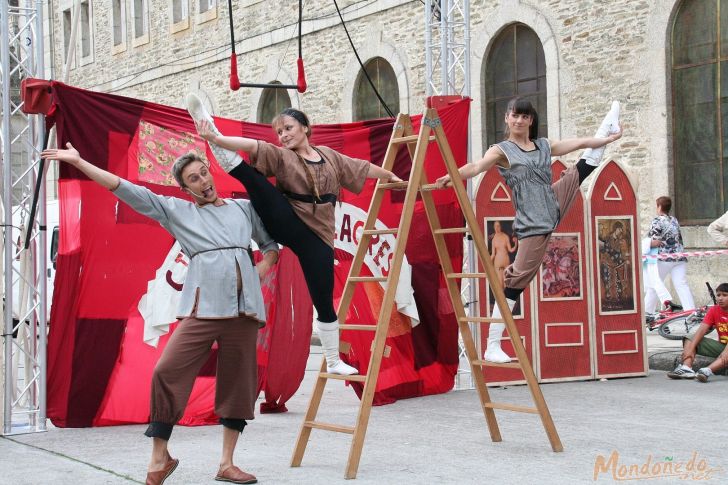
(531, 250)
(187, 351)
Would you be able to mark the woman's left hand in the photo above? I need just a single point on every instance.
(393, 178)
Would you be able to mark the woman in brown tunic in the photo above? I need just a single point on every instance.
(299, 213)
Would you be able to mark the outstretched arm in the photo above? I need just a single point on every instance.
(493, 156)
(71, 156)
(562, 147)
(377, 172)
(248, 145)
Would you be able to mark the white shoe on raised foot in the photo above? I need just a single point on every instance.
(609, 126)
(610, 123)
(227, 159)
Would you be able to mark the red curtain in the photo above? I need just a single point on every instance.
(99, 368)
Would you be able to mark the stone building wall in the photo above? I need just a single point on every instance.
(595, 51)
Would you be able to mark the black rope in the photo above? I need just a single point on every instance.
(36, 192)
(371, 83)
(300, 24)
(232, 30)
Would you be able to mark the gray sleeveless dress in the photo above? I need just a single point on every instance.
(529, 177)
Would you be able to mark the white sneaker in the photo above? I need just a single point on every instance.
(227, 159)
(681, 372)
(703, 374)
(609, 125)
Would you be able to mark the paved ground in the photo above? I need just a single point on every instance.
(440, 439)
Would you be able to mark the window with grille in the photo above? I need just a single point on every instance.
(366, 104)
(515, 67)
(272, 102)
(700, 110)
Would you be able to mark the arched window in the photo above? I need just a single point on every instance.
(272, 102)
(366, 103)
(700, 111)
(515, 67)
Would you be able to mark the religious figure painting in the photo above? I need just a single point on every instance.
(616, 282)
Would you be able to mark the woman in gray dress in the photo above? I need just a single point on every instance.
(524, 161)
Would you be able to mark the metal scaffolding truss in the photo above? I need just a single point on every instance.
(447, 50)
(24, 282)
(447, 64)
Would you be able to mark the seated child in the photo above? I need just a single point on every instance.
(717, 317)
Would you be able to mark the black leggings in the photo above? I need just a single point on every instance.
(286, 228)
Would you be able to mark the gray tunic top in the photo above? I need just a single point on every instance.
(529, 177)
(201, 232)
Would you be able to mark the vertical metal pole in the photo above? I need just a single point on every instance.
(444, 57)
(43, 239)
(7, 230)
(428, 48)
(473, 307)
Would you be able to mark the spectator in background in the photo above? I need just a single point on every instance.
(718, 229)
(666, 237)
(717, 317)
(655, 290)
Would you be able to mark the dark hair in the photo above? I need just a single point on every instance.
(297, 115)
(182, 162)
(665, 203)
(522, 106)
(723, 288)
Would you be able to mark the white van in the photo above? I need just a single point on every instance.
(52, 217)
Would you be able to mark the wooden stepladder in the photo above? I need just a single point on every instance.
(403, 134)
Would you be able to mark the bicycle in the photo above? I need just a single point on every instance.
(674, 323)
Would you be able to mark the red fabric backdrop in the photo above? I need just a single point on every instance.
(99, 368)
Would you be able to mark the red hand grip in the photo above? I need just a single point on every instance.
(234, 81)
(301, 77)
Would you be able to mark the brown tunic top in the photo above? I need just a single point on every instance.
(331, 174)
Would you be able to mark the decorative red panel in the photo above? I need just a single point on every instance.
(562, 295)
(493, 207)
(615, 277)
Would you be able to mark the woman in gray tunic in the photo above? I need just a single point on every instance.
(221, 302)
(524, 161)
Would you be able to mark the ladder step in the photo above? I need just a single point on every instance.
(511, 365)
(452, 230)
(430, 187)
(393, 185)
(350, 326)
(379, 231)
(409, 139)
(457, 276)
(329, 427)
(510, 407)
(481, 320)
(360, 279)
(339, 377)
